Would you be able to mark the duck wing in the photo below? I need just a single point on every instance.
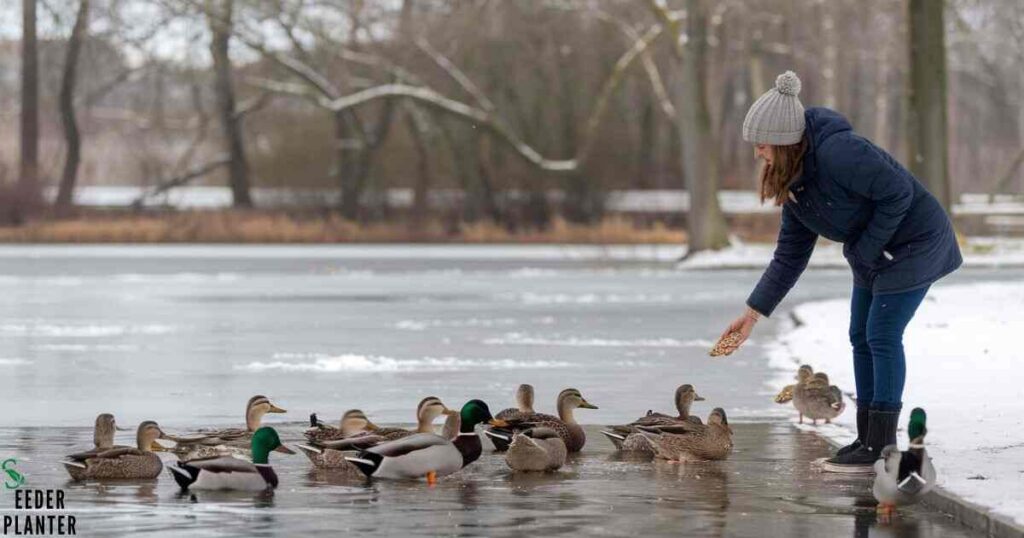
(408, 444)
(223, 464)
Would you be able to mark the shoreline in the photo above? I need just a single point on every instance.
(787, 351)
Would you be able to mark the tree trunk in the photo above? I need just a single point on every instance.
(926, 115)
(706, 228)
(219, 13)
(343, 163)
(419, 131)
(28, 196)
(65, 194)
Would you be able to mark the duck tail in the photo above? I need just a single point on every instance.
(309, 449)
(367, 462)
(185, 475)
(614, 437)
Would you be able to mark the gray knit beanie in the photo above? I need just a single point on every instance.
(777, 117)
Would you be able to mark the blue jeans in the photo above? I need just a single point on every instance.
(876, 332)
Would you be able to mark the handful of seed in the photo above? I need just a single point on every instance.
(727, 344)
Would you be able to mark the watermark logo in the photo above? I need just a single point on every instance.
(13, 478)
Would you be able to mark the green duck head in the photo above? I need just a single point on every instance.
(476, 412)
(264, 440)
(918, 427)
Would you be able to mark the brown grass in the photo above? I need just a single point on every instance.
(280, 227)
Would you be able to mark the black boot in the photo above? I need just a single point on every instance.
(881, 432)
(862, 432)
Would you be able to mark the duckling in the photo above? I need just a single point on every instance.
(564, 424)
(903, 478)
(112, 462)
(229, 473)
(786, 394)
(821, 400)
(229, 441)
(536, 449)
(427, 454)
(686, 441)
(620, 435)
(524, 407)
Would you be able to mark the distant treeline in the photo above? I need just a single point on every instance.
(489, 95)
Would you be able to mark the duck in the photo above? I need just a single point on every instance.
(524, 407)
(327, 447)
(228, 441)
(102, 436)
(564, 424)
(536, 449)
(687, 441)
(427, 454)
(620, 435)
(822, 401)
(427, 411)
(119, 462)
(904, 478)
(230, 473)
(329, 450)
(353, 422)
(803, 374)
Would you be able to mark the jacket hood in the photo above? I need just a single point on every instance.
(823, 123)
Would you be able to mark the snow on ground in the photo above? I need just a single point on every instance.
(977, 252)
(964, 362)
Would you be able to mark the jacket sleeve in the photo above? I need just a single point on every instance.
(792, 252)
(860, 167)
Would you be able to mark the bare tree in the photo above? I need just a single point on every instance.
(28, 195)
(73, 140)
(926, 119)
(219, 16)
(706, 226)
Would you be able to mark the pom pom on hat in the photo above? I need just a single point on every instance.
(788, 83)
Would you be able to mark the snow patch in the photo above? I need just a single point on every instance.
(365, 364)
(962, 368)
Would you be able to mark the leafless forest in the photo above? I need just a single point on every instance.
(524, 111)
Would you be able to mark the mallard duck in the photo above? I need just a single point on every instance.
(564, 424)
(803, 374)
(620, 435)
(229, 473)
(102, 435)
(330, 453)
(353, 422)
(119, 461)
(524, 407)
(536, 449)
(821, 400)
(687, 441)
(903, 478)
(427, 411)
(229, 441)
(327, 448)
(427, 454)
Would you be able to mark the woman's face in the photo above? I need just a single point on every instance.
(763, 151)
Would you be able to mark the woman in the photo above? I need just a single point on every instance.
(896, 237)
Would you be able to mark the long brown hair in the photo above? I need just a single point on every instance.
(787, 165)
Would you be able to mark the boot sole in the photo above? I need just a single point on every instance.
(866, 469)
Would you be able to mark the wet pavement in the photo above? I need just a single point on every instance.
(767, 488)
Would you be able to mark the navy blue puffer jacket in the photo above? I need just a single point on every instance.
(895, 234)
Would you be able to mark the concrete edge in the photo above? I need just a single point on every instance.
(967, 513)
(971, 515)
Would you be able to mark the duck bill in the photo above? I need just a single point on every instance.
(587, 405)
(698, 398)
(449, 412)
(498, 423)
(284, 450)
(276, 409)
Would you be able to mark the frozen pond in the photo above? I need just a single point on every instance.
(185, 335)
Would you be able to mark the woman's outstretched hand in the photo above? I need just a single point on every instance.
(736, 333)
